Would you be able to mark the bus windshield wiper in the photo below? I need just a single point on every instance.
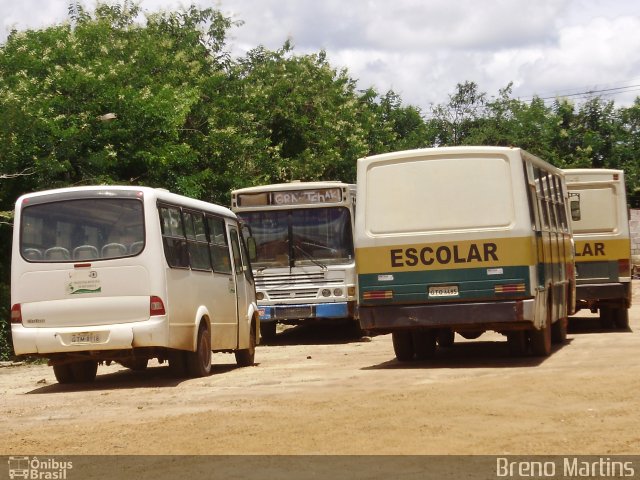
(309, 256)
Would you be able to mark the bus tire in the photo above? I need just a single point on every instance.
(446, 337)
(517, 343)
(607, 317)
(135, 364)
(246, 357)
(403, 345)
(540, 340)
(199, 362)
(621, 318)
(559, 330)
(85, 371)
(424, 344)
(63, 373)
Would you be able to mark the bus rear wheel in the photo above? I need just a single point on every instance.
(77, 372)
(559, 330)
(424, 344)
(403, 345)
(63, 373)
(199, 362)
(540, 340)
(621, 318)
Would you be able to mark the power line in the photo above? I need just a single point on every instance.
(592, 92)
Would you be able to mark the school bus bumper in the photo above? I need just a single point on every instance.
(504, 315)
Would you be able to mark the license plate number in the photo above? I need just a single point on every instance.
(444, 291)
(85, 337)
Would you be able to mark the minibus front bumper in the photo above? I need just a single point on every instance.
(503, 315)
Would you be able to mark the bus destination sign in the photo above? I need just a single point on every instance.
(291, 197)
(305, 197)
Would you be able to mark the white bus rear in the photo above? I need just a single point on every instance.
(599, 217)
(126, 274)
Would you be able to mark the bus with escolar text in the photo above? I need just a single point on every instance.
(599, 217)
(107, 274)
(462, 240)
(305, 261)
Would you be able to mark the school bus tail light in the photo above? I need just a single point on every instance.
(156, 307)
(510, 288)
(378, 295)
(624, 268)
(16, 313)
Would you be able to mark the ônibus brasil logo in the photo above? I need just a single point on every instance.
(38, 469)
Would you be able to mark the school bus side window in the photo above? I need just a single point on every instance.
(218, 246)
(173, 238)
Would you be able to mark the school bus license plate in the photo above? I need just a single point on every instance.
(443, 291)
(85, 337)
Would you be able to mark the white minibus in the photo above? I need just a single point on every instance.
(126, 274)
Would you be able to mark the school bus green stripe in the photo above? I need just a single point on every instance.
(472, 283)
(501, 252)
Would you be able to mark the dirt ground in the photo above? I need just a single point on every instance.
(318, 391)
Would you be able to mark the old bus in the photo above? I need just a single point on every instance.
(126, 274)
(463, 239)
(600, 222)
(305, 262)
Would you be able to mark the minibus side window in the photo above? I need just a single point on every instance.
(218, 246)
(197, 241)
(173, 238)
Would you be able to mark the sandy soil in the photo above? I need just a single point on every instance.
(318, 391)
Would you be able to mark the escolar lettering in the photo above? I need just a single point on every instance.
(410, 257)
(589, 250)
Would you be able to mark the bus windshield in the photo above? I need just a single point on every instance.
(82, 229)
(305, 236)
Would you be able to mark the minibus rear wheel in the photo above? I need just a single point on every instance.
(199, 362)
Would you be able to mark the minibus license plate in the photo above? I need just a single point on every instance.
(444, 291)
(85, 337)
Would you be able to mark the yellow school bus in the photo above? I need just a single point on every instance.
(463, 240)
(600, 224)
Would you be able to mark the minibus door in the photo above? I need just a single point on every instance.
(241, 284)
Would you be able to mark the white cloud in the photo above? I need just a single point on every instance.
(422, 48)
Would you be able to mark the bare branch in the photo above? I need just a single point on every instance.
(25, 173)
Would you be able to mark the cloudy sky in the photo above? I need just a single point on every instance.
(422, 48)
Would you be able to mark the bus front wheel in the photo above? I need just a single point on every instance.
(246, 357)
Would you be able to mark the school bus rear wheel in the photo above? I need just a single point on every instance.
(403, 345)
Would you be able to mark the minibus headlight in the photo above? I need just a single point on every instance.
(326, 292)
(259, 295)
(337, 292)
